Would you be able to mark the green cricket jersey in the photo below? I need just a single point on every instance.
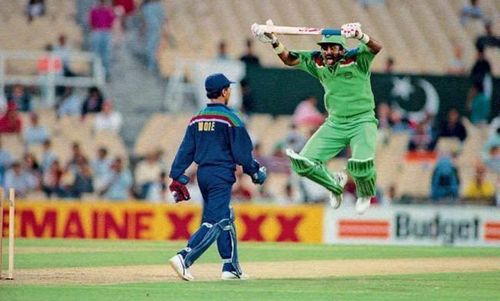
(347, 83)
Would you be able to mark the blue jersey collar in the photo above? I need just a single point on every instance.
(215, 104)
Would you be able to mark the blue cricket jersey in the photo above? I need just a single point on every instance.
(215, 138)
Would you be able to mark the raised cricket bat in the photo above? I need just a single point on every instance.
(291, 30)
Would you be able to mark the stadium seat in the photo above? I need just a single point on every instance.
(75, 129)
(415, 179)
(258, 123)
(276, 184)
(62, 149)
(390, 159)
(150, 136)
(13, 144)
(423, 32)
(449, 145)
(113, 142)
(274, 134)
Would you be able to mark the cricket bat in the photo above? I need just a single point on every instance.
(291, 30)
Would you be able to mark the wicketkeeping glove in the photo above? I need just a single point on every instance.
(264, 37)
(260, 176)
(351, 31)
(179, 191)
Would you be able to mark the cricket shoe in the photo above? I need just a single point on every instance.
(177, 263)
(336, 199)
(226, 275)
(362, 204)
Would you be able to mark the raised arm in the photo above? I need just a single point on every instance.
(286, 56)
(353, 31)
(374, 45)
(269, 38)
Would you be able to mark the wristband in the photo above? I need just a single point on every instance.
(183, 179)
(364, 38)
(279, 49)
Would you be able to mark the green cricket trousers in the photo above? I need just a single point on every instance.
(360, 133)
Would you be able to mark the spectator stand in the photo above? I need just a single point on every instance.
(43, 69)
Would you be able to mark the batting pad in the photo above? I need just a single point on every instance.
(364, 175)
(314, 171)
(206, 241)
(228, 249)
(227, 244)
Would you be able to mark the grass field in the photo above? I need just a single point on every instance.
(51, 258)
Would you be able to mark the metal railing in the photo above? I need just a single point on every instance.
(51, 78)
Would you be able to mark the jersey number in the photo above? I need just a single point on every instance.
(206, 126)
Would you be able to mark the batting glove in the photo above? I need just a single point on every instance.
(179, 191)
(264, 37)
(260, 176)
(351, 31)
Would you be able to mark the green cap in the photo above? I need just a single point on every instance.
(333, 39)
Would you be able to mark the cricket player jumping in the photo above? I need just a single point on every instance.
(345, 76)
(216, 140)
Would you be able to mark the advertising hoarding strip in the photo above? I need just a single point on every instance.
(492, 231)
(344, 222)
(129, 220)
(492, 225)
(424, 225)
(492, 236)
(364, 229)
(377, 229)
(377, 235)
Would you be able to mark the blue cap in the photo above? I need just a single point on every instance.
(216, 82)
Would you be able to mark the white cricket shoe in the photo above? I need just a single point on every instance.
(336, 199)
(177, 263)
(233, 276)
(362, 204)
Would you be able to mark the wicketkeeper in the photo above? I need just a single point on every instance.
(216, 139)
(345, 76)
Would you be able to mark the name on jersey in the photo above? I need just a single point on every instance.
(206, 126)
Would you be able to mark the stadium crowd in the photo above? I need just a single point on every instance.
(101, 175)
